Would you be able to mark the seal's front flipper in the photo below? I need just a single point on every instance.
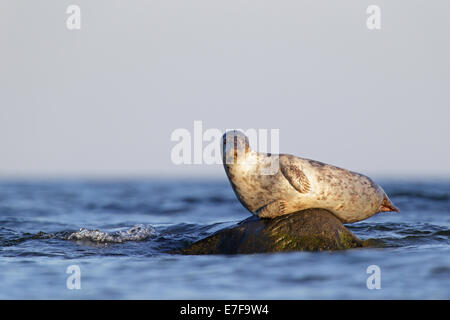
(293, 172)
(272, 209)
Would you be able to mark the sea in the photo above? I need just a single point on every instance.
(114, 239)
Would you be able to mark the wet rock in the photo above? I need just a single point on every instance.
(307, 230)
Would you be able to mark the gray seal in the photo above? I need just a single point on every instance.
(297, 184)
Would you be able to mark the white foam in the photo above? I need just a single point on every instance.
(136, 233)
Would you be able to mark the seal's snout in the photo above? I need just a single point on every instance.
(235, 140)
(387, 205)
(235, 145)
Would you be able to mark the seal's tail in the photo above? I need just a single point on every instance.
(387, 205)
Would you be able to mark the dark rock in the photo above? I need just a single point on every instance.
(307, 230)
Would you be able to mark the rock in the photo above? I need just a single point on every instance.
(307, 230)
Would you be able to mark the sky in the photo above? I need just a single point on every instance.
(104, 100)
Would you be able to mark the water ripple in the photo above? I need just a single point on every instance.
(136, 233)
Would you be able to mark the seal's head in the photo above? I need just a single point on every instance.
(235, 146)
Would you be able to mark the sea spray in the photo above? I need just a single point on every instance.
(136, 233)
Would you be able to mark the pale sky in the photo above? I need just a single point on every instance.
(103, 101)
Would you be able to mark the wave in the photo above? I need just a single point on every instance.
(136, 233)
(161, 237)
(402, 234)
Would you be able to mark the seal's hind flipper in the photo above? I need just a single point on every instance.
(294, 174)
(272, 209)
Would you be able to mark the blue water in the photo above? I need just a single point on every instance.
(140, 222)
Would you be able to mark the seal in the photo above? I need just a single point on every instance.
(297, 184)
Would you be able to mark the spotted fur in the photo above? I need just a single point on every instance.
(299, 184)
